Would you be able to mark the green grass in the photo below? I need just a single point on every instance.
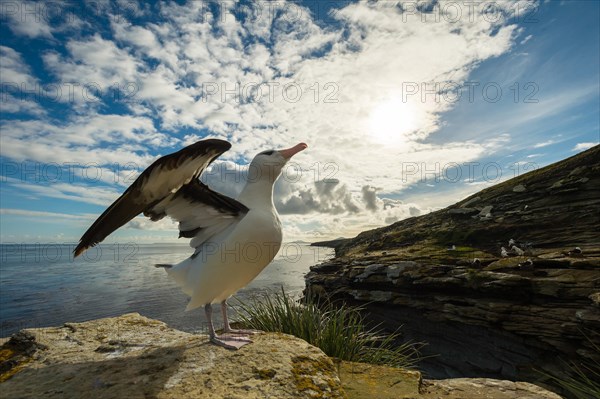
(339, 331)
(584, 382)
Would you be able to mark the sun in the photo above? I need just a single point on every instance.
(391, 121)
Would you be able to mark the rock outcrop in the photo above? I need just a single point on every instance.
(135, 357)
(366, 381)
(443, 277)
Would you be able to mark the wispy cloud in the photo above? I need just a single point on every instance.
(584, 146)
(526, 39)
(14, 71)
(42, 214)
(83, 193)
(148, 85)
(27, 19)
(544, 144)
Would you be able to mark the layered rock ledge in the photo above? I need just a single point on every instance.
(495, 321)
(135, 357)
(503, 284)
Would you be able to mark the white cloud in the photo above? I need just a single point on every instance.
(325, 196)
(15, 105)
(369, 195)
(583, 146)
(42, 214)
(74, 192)
(142, 223)
(94, 66)
(83, 140)
(14, 71)
(27, 19)
(526, 39)
(360, 128)
(544, 144)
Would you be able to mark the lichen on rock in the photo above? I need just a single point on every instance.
(132, 356)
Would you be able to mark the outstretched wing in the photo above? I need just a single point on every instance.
(201, 212)
(160, 183)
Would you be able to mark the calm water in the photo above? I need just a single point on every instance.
(41, 285)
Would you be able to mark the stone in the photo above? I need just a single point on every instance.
(480, 388)
(470, 202)
(371, 295)
(366, 381)
(462, 211)
(578, 170)
(486, 212)
(132, 356)
(370, 270)
(519, 189)
(595, 297)
(394, 270)
(557, 184)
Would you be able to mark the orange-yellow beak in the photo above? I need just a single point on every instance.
(290, 152)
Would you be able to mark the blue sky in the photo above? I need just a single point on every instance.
(406, 108)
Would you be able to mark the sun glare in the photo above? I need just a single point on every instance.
(391, 121)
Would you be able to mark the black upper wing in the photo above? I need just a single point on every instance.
(159, 183)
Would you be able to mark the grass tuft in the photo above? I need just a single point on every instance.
(339, 331)
(584, 382)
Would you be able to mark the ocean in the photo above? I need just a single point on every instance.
(41, 285)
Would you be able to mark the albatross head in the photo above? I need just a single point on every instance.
(268, 164)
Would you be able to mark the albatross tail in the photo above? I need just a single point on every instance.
(179, 274)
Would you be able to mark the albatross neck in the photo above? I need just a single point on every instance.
(258, 194)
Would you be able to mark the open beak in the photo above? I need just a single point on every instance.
(290, 152)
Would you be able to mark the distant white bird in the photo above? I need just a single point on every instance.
(503, 252)
(511, 242)
(234, 240)
(518, 251)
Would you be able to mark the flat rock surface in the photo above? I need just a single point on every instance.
(483, 388)
(373, 381)
(135, 357)
(367, 381)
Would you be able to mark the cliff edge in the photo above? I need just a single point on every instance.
(135, 357)
(485, 312)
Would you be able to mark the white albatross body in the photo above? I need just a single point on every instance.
(232, 259)
(234, 240)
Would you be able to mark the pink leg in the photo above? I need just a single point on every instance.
(224, 340)
(227, 328)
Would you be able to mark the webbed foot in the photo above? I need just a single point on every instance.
(230, 342)
(235, 331)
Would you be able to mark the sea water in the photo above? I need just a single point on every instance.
(42, 285)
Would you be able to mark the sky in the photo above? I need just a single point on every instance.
(406, 107)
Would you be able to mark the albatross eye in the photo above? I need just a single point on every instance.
(267, 152)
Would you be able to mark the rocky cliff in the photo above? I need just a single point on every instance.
(485, 311)
(135, 357)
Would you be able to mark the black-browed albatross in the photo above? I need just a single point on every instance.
(234, 240)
